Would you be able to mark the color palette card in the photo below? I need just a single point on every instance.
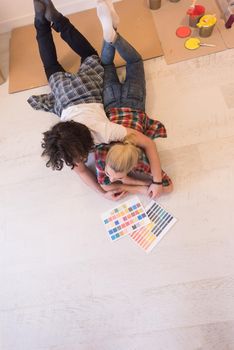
(125, 219)
(147, 237)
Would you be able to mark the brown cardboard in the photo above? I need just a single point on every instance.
(172, 15)
(226, 34)
(136, 24)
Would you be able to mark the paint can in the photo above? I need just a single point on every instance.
(206, 25)
(195, 13)
(154, 4)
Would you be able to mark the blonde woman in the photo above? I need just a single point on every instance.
(124, 104)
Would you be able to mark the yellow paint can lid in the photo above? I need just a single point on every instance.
(207, 21)
(192, 43)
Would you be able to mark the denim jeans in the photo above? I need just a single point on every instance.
(131, 93)
(69, 34)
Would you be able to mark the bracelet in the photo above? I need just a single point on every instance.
(156, 182)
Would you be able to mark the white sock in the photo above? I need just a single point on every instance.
(114, 15)
(105, 18)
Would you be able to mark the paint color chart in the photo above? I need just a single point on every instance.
(148, 236)
(125, 219)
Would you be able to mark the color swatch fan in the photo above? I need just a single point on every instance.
(125, 219)
(148, 236)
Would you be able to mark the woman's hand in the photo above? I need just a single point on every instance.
(154, 191)
(115, 195)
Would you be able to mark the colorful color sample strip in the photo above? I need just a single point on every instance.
(125, 219)
(148, 236)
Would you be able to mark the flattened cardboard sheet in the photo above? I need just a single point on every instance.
(136, 24)
(226, 34)
(172, 15)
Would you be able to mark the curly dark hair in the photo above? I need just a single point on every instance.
(66, 142)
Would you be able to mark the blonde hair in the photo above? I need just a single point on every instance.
(123, 157)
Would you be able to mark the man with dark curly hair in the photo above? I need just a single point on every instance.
(77, 100)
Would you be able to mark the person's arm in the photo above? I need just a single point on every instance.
(90, 180)
(128, 180)
(151, 152)
(123, 188)
(134, 189)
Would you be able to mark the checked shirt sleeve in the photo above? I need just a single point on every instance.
(100, 163)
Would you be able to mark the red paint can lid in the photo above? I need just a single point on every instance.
(183, 32)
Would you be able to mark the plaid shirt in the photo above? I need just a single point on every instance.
(71, 89)
(139, 121)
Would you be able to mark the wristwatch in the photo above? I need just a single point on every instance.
(156, 182)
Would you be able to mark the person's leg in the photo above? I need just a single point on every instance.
(131, 56)
(112, 86)
(133, 89)
(68, 32)
(126, 51)
(45, 41)
(107, 60)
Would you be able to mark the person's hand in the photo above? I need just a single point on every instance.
(154, 191)
(143, 189)
(115, 195)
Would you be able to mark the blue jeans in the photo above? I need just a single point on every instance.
(131, 93)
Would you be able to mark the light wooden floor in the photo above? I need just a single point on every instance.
(64, 286)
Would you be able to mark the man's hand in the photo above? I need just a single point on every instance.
(115, 195)
(154, 191)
